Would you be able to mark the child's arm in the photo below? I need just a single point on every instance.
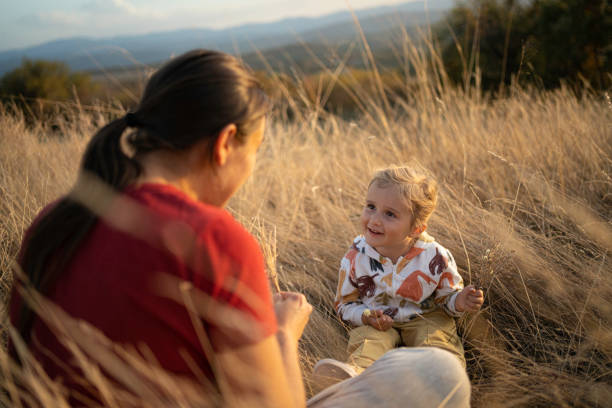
(348, 304)
(449, 285)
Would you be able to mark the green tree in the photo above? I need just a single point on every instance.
(543, 41)
(482, 35)
(47, 80)
(572, 39)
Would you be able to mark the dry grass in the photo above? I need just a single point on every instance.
(525, 208)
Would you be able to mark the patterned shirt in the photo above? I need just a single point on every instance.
(421, 279)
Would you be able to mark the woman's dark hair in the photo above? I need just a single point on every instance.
(189, 100)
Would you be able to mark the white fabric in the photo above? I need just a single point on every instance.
(403, 377)
(425, 276)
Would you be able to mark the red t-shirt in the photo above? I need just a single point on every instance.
(125, 279)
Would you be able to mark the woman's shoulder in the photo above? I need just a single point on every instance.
(207, 241)
(182, 214)
(169, 201)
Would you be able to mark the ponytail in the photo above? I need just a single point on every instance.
(56, 236)
(105, 158)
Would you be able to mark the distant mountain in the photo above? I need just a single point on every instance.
(340, 43)
(126, 51)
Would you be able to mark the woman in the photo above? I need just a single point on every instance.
(146, 218)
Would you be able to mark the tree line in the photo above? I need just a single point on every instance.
(543, 42)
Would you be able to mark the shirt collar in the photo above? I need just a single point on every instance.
(362, 246)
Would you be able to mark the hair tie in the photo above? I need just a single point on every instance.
(131, 120)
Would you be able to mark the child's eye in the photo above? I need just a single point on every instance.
(370, 206)
(390, 214)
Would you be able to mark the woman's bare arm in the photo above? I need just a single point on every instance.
(268, 373)
(260, 375)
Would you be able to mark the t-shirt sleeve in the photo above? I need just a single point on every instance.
(238, 309)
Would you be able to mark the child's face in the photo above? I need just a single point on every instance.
(387, 221)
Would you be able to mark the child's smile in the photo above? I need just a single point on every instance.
(373, 232)
(387, 221)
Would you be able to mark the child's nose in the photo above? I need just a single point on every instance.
(375, 219)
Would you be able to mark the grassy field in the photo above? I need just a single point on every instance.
(526, 209)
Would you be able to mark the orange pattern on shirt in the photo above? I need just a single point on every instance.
(388, 279)
(411, 287)
(449, 277)
(414, 251)
(351, 255)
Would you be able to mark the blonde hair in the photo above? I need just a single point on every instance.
(416, 187)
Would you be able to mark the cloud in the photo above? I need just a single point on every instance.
(51, 18)
(94, 15)
(118, 8)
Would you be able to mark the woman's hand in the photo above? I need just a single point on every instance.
(292, 312)
(377, 319)
(469, 299)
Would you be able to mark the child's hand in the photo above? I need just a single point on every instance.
(469, 299)
(377, 319)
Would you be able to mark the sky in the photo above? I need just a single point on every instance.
(31, 22)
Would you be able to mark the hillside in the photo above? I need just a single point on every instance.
(128, 51)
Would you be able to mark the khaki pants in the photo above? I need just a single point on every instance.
(433, 329)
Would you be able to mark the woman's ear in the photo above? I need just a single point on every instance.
(224, 145)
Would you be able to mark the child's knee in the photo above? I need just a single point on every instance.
(435, 329)
(386, 339)
(367, 345)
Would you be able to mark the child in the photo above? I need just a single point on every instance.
(397, 286)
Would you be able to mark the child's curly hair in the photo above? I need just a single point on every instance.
(416, 186)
